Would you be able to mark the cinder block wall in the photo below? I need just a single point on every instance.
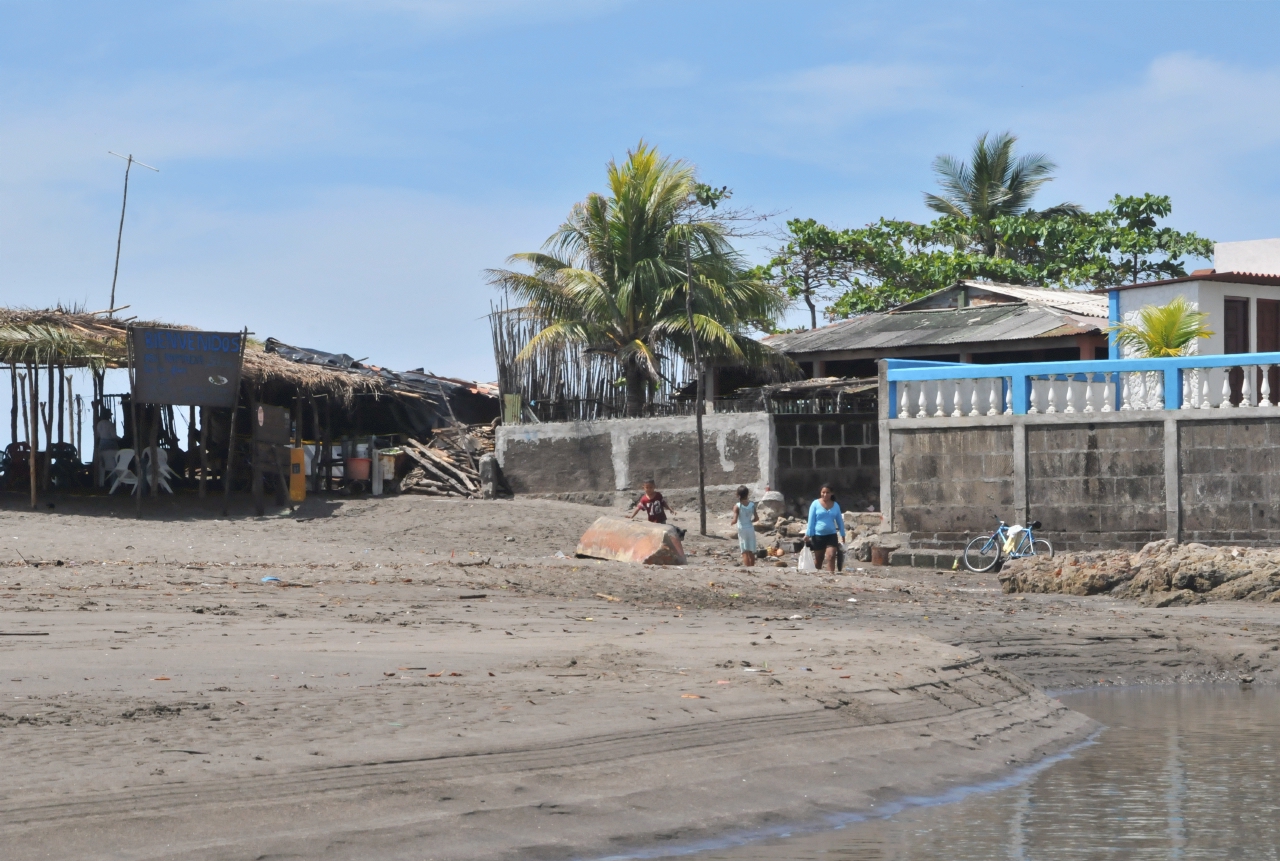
(1088, 481)
(841, 449)
(1230, 481)
(1110, 480)
(603, 463)
(948, 485)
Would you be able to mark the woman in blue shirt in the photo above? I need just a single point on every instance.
(825, 529)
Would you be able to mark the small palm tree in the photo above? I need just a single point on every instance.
(1163, 331)
(992, 184)
(614, 277)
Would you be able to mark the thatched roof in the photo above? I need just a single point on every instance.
(85, 339)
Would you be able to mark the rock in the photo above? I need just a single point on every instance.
(771, 506)
(860, 547)
(632, 541)
(492, 482)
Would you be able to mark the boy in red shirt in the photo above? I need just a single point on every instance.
(653, 505)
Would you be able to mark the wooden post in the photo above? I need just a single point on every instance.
(135, 438)
(328, 443)
(231, 435)
(33, 396)
(48, 431)
(204, 449)
(154, 444)
(13, 403)
(317, 436)
(62, 401)
(255, 461)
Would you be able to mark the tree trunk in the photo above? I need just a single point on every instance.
(637, 381)
(813, 311)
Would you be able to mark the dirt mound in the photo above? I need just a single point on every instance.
(1163, 573)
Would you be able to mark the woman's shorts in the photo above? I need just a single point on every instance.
(747, 540)
(820, 543)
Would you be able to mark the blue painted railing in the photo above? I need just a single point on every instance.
(1185, 382)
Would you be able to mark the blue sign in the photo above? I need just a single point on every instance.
(186, 367)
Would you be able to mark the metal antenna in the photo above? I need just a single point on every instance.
(111, 308)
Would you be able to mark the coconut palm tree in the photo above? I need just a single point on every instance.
(993, 183)
(1163, 331)
(613, 277)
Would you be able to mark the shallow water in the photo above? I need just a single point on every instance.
(1183, 772)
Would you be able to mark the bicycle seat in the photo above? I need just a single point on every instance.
(1035, 524)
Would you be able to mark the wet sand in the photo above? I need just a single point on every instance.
(419, 686)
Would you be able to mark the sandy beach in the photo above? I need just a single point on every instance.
(427, 679)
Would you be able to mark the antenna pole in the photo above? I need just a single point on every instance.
(119, 236)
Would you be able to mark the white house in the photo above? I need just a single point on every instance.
(1240, 295)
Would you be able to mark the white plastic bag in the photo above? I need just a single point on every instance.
(805, 562)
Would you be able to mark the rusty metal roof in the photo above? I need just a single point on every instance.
(1013, 321)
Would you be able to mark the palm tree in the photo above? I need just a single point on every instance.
(613, 277)
(992, 184)
(1163, 331)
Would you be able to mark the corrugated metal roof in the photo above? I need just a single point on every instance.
(1228, 277)
(1086, 304)
(943, 327)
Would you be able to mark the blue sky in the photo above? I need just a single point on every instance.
(338, 174)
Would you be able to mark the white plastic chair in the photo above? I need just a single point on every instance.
(120, 473)
(164, 473)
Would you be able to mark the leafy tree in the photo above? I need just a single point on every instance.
(895, 261)
(613, 276)
(1163, 331)
(812, 263)
(991, 185)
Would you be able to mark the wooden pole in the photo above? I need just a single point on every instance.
(255, 460)
(189, 470)
(62, 400)
(33, 396)
(48, 431)
(135, 437)
(697, 363)
(317, 436)
(231, 431)
(13, 402)
(204, 449)
(153, 480)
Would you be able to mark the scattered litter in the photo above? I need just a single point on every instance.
(560, 555)
(471, 597)
(435, 675)
(180, 750)
(852, 600)
(692, 697)
(270, 579)
(162, 679)
(795, 617)
(31, 633)
(607, 597)
(722, 681)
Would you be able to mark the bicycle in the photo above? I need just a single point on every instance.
(987, 551)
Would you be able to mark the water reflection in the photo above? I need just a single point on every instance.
(1181, 773)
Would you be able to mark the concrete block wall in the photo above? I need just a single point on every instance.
(946, 486)
(1230, 481)
(841, 449)
(1088, 483)
(1102, 481)
(604, 462)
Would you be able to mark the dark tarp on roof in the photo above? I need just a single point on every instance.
(423, 401)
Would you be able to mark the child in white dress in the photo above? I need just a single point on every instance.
(744, 516)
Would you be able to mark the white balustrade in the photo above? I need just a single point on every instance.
(1187, 389)
(994, 409)
(1088, 393)
(1108, 394)
(1124, 393)
(1008, 398)
(1204, 391)
(1265, 390)
(1225, 403)
(973, 401)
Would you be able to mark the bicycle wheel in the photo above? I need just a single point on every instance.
(982, 553)
(1042, 548)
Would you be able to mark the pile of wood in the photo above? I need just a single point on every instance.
(448, 465)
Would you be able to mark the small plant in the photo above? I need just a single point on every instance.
(1163, 331)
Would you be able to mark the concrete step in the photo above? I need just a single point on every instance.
(940, 559)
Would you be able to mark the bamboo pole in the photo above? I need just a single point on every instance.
(13, 402)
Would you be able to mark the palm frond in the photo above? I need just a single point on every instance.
(1163, 331)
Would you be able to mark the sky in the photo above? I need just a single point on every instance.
(339, 175)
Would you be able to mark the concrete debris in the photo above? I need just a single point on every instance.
(1162, 574)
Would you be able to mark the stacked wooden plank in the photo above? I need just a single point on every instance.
(448, 465)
